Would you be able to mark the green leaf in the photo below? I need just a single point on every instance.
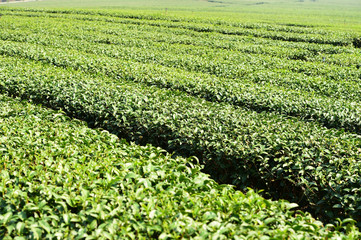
(20, 226)
(6, 218)
(37, 232)
(45, 226)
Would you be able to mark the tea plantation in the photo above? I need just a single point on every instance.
(131, 125)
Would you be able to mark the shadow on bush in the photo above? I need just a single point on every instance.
(357, 42)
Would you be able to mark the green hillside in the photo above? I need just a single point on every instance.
(176, 120)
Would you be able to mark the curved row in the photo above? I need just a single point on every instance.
(60, 179)
(321, 78)
(333, 38)
(302, 162)
(333, 113)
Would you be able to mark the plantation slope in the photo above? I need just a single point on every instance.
(304, 67)
(331, 112)
(112, 26)
(60, 179)
(322, 87)
(280, 32)
(304, 162)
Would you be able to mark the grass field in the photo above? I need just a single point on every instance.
(330, 13)
(124, 120)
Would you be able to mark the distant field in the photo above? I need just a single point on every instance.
(334, 13)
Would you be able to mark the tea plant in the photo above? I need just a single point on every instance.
(291, 159)
(267, 106)
(59, 180)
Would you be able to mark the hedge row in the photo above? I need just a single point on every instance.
(323, 37)
(240, 61)
(302, 162)
(61, 180)
(330, 112)
(185, 40)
